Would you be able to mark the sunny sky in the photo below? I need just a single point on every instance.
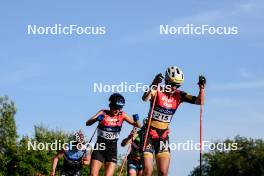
(51, 77)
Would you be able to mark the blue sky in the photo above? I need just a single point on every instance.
(50, 78)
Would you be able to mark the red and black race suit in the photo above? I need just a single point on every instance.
(108, 134)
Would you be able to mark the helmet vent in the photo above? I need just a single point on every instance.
(178, 71)
(173, 74)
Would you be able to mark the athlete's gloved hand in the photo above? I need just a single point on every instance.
(202, 81)
(136, 120)
(135, 117)
(133, 133)
(158, 79)
(100, 117)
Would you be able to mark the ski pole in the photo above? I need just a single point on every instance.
(149, 121)
(89, 144)
(202, 81)
(128, 151)
(201, 140)
(93, 135)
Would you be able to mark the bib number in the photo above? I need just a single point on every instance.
(161, 117)
(108, 135)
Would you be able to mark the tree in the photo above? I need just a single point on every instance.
(8, 135)
(247, 160)
(35, 161)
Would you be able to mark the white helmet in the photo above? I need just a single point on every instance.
(174, 75)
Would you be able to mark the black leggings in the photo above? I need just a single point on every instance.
(107, 154)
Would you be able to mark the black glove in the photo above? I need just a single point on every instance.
(158, 79)
(202, 80)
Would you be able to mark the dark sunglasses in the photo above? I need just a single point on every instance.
(173, 84)
(118, 107)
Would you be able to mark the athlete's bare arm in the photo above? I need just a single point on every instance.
(200, 97)
(55, 162)
(199, 100)
(128, 139)
(86, 159)
(131, 121)
(93, 119)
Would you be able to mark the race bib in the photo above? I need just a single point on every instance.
(161, 117)
(108, 135)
